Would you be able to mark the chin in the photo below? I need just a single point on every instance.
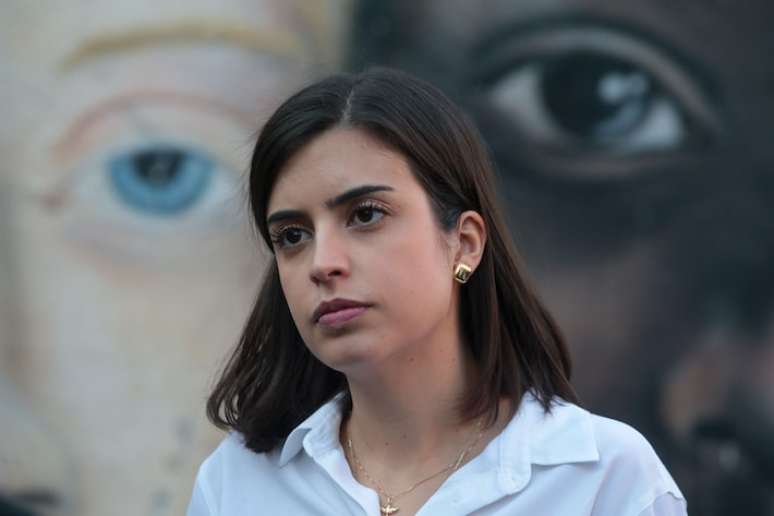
(350, 355)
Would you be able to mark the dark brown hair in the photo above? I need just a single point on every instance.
(272, 382)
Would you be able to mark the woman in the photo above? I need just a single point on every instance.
(396, 359)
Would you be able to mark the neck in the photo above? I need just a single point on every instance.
(405, 414)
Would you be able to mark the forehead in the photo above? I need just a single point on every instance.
(338, 160)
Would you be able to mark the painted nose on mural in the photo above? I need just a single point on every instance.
(719, 398)
(719, 407)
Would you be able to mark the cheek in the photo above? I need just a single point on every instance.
(414, 278)
(294, 286)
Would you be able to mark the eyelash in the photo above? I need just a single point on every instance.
(277, 235)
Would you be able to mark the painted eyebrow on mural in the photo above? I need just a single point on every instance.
(340, 199)
(490, 47)
(282, 44)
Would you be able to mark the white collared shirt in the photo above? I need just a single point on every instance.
(568, 463)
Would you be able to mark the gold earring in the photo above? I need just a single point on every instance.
(462, 272)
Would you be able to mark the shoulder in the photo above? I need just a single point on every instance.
(621, 446)
(230, 468)
(618, 441)
(630, 466)
(234, 479)
(603, 465)
(233, 457)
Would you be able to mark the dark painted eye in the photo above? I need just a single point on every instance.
(160, 180)
(575, 89)
(596, 98)
(591, 101)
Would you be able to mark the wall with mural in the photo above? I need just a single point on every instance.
(127, 261)
(632, 140)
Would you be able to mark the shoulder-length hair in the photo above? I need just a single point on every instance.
(272, 382)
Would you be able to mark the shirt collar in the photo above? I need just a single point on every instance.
(563, 436)
(318, 433)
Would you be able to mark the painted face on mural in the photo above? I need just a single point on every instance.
(127, 265)
(633, 140)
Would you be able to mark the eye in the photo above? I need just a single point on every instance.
(592, 101)
(588, 90)
(150, 198)
(173, 185)
(149, 179)
(160, 180)
(368, 213)
(288, 236)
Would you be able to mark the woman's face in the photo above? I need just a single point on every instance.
(382, 248)
(126, 263)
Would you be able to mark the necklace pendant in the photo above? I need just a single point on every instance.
(388, 509)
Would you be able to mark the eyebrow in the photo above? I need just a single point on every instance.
(340, 199)
(282, 44)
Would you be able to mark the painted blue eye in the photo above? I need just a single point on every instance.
(162, 180)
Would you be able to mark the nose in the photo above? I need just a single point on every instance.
(718, 401)
(330, 256)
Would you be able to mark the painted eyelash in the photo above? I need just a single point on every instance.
(276, 235)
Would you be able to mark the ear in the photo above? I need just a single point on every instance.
(470, 239)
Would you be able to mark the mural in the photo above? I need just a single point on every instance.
(127, 263)
(633, 143)
(631, 139)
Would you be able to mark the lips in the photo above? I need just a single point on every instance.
(335, 305)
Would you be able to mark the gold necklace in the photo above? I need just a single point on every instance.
(388, 508)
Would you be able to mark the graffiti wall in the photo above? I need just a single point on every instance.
(632, 142)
